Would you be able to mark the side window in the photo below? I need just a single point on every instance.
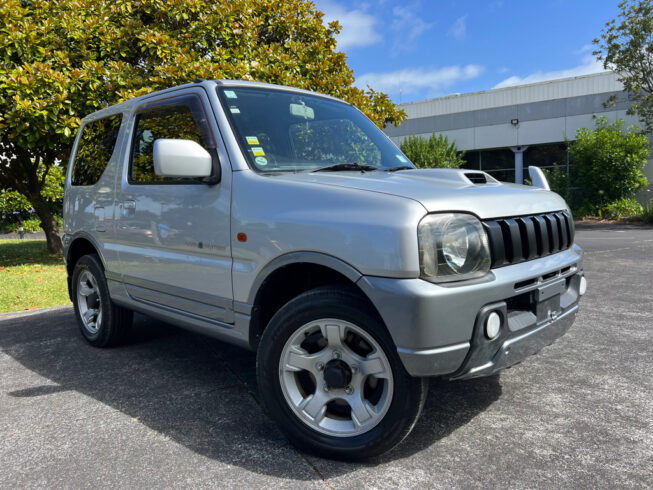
(96, 145)
(178, 118)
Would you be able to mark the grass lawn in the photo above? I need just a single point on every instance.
(30, 276)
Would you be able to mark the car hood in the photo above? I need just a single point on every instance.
(444, 190)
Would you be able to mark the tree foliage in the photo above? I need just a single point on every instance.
(626, 47)
(435, 152)
(62, 59)
(608, 162)
(14, 202)
(559, 181)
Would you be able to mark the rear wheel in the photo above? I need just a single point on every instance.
(101, 322)
(329, 374)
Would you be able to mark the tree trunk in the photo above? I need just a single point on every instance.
(49, 225)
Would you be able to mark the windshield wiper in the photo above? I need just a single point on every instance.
(401, 167)
(336, 167)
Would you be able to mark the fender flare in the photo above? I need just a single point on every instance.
(305, 257)
(88, 237)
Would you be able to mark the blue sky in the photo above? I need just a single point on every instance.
(417, 49)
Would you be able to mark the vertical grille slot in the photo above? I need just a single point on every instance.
(543, 235)
(529, 237)
(554, 235)
(495, 240)
(512, 237)
(519, 239)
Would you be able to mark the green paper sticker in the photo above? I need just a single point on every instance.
(230, 94)
(262, 161)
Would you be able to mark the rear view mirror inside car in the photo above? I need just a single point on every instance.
(301, 110)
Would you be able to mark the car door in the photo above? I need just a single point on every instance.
(173, 233)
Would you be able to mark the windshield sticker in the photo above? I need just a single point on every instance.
(262, 161)
(252, 140)
(230, 94)
(258, 151)
(401, 158)
(234, 109)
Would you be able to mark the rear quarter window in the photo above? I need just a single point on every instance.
(96, 146)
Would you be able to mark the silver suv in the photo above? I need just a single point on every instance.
(285, 222)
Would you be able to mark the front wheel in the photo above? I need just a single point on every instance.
(329, 374)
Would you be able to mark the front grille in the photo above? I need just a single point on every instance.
(523, 238)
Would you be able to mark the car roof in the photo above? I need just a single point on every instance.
(128, 104)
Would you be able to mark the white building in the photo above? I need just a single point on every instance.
(504, 130)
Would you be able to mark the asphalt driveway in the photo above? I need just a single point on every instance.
(173, 409)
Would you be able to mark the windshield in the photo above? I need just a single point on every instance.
(286, 131)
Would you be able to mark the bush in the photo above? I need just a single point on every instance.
(608, 163)
(436, 152)
(623, 208)
(647, 215)
(29, 225)
(559, 182)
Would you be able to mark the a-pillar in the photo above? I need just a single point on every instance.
(519, 163)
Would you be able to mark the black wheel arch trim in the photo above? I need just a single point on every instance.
(307, 257)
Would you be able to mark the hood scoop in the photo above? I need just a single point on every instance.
(454, 176)
(479, 177)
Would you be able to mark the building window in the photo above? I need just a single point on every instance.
(472, 160)
(499, 163)
(545, 156)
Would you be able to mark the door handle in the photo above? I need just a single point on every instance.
(129, 204)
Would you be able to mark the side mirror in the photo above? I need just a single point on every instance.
(181, 158)
(538, 178)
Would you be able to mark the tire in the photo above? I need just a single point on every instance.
(331, 336)
(102, 323)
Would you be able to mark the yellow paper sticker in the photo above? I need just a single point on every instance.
(258, 151)
(252, 140)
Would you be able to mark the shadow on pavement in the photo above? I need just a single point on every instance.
(197, 391)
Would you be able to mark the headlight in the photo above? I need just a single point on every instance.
(452, 247)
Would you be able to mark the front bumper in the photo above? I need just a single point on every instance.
(438, 330)
(482, 361)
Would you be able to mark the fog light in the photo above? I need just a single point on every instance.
(582, 288)
(492, 325)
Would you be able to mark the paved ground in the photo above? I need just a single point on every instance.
(173, 409)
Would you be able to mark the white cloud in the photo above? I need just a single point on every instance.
(459, 28)
(588, 66)
(412, 80)
(406, 23)
(358, 27)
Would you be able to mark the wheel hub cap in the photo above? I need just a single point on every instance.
(337, 374)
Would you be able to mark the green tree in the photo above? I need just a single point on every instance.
(436, 152)
(14, 202)
(626, 47)
(608, 162)
(62, 59)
